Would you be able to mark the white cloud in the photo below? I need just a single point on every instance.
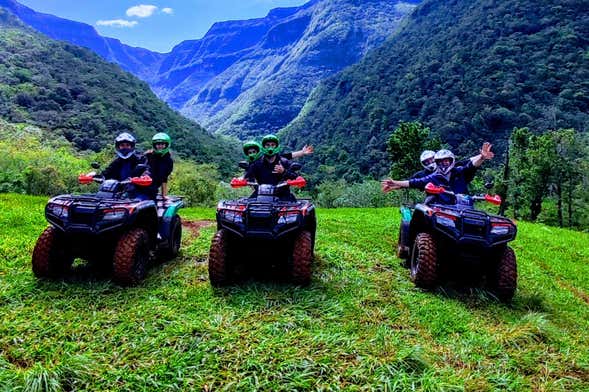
(141, 10)
(116, 23)
(167, 10)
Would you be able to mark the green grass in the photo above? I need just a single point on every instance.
(361, 325)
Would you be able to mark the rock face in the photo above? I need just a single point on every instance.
(140, 62)
(250, 77)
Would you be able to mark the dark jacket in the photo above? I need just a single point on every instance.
(421, 173)
(426, 172)
(261, 171)
(120, 169)
(160, 166)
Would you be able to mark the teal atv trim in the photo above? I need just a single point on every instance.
(402, 248)
(406, 214)
(170, 226)
(173, 210)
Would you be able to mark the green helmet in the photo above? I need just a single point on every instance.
(161, 138)
(252, 156)
(270, 151)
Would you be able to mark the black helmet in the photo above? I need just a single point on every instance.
(125, 137)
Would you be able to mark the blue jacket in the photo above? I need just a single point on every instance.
(460, 177)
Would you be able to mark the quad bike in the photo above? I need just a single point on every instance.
(263, 225)
(439, 238)
(108, 229)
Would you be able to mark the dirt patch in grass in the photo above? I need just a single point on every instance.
(195, 226)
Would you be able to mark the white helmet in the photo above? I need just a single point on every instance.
(125, 138)
(440, 157)
(426, 156)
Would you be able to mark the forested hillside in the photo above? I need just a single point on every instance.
(245, 77)
(73, 92)
(470, 70)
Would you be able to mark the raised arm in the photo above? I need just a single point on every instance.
(388, 185)
(306, 150)
(485, 155)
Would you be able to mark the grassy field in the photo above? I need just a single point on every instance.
(361, 325)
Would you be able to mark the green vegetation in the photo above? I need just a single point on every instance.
(469, 70)
(34, 162)
(542, 177)
(545, 177)
(405, 146)
(74, 93)
(361, 324)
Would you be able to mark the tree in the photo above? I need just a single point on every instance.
(405, 145)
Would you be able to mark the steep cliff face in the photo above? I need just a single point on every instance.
(262, 70)
(141, 62)
(245, 77)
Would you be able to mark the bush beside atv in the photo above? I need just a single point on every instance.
(108, 230)
(263, 231)
(444, 241)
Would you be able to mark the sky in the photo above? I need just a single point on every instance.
(157, 25)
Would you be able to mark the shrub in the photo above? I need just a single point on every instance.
(333, 194)
(196, 183)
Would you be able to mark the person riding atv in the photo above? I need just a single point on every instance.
(160, 162)
(446, 174)
(252, 150)
(271, 168)
(128, 163)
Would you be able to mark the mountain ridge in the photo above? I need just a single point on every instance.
(71, 91)
(139, 61)
(244, 77)
(267, 85)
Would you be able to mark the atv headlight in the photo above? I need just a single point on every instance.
(446, 220)
(58, 210)
(114, 214)
(285, 217)
(500, 228)
(232, 216)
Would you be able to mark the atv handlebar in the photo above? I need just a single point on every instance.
(139, 181)
(298, 182)
(432, 189)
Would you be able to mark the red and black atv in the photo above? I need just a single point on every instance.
(263, 230)
(443, 238)
(108, 229)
